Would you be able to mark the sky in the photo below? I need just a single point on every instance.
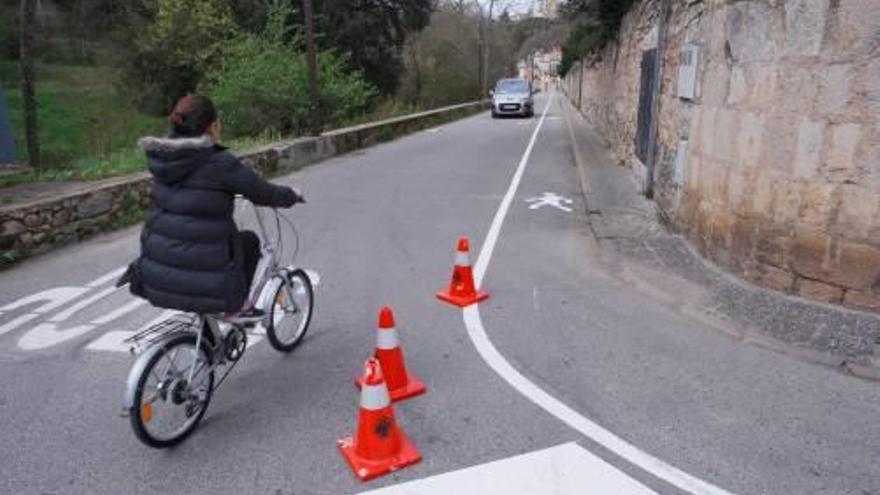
(514, 6)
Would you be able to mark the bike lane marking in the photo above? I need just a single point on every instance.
(477, 333)
(566, 469)
(48, 332)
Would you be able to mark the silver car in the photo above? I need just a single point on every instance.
(512, 97)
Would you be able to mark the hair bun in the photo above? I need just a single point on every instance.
(175, 118)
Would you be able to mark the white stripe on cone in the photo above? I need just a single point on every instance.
(462, 259)
(386, 339)
(375, 397)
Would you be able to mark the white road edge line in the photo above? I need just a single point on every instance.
(477, 333)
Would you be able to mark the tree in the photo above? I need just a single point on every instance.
(444, 62)
(312, 62)
(597, 23)
(372, 33)
(28, 83)
(262, 84)
(183, 42)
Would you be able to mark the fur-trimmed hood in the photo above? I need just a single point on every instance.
(172, 160)
(151, 144)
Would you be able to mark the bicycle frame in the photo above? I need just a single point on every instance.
(268, 277)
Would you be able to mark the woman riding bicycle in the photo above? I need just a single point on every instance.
(193, 257)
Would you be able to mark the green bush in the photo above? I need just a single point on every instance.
(169, 59)
(262, 85)
(598, 23)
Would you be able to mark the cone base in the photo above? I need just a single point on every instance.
(413, 388)
(460, 301)
(365, 469)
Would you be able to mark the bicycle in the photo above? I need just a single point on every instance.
(172, 381)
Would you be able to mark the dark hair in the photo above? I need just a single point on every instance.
(192, 116)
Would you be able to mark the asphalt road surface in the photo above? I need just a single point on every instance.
(565, 381)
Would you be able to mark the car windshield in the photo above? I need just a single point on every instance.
(512, 86)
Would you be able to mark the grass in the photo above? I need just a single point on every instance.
(387, 109)
(84, 120)
(88, 131)
(121, 162)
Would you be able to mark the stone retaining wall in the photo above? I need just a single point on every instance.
(84, 209)
(772, 170)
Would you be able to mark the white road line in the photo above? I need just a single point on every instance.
(495, 228)
(53, 298)
(563, 470)
(21, 320)
(123, 310)
(70, 311)
(106, 278)
(552, 405)
(113, 341)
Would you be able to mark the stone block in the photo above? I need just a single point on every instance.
(808, 151)
(12, 228)
(842, 150)
(762, 193)
(714, 85)
(751, 132)
(800, 87)
(742, 235)
(738, 90)
(726, 135)
(817, 203)
(764, 87)
(856, 28)
(749, 28)
(96, 204)
(835, 90)
(706, 141)
(872, 86)
(776, 279)
(786, 201)
(856, 266)
(819, 291)
(805, 26)
(736, 187)
(809, 253)
(858, 209)
(777, 151)
(32, 221)
(771, 246)
(865, 300)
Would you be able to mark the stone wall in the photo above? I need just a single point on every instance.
(773, 168)
(83, 209)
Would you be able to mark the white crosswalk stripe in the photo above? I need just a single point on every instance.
(566, 469)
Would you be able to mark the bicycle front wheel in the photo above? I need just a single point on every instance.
(291, 311)
(172, 393)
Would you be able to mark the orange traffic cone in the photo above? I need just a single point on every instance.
(390, 355)
(379, 446)
(462, 290)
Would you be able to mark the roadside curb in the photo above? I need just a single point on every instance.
(844, 339)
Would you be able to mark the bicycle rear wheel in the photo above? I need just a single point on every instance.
(291, 311)
(168, 405)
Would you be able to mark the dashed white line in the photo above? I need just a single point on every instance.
(477, 333)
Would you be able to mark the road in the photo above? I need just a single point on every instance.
(565, 381)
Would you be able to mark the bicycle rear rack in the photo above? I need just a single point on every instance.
(154, 333)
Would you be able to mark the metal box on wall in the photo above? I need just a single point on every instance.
(687, 72)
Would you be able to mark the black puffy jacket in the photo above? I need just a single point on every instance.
(190, 260)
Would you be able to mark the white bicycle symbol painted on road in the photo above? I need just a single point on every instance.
(550, 199)
(48, 310)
